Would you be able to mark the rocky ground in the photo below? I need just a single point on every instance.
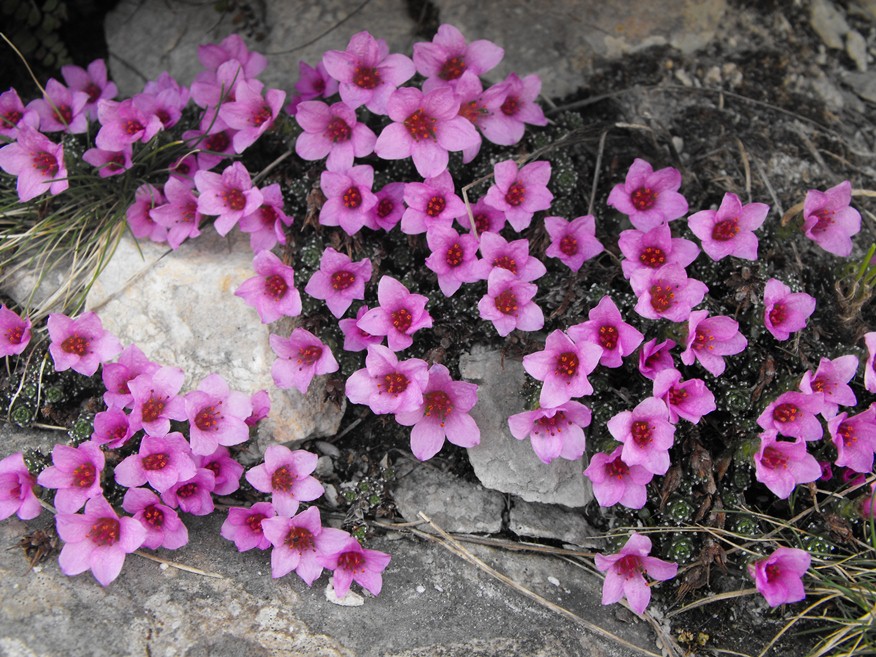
(762, 98)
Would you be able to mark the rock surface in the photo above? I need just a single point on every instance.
(180, 309)
(533, 520)
(503, 463)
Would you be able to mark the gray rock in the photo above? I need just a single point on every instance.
(828, 23)
(455, 505)
(147, 38)
(863, 84)
(856, 49)
(503, 463)
(179, 308)
(529, 519)
(560, 39)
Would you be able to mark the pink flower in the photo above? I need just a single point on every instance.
(855, 439)
(785, 312)
(509, 305)
(62, 109)
(367, 73)
(192, 495)
(779, 577)
(225, 469)
(651, 250)
(709, 339)
(112, 428)
(161, 461)
(300, 543)
(80, 344)
(444, 59)
(97, 540)
(646, 434)
(93, 82)
(165, 98)
(124, 123)
(155, 402)
(509, 106)
(399, 316)
(217, 415)
(870, 363)
(272, 291)
(14, 332)
(689, 399)
(261, 407)
(250, 113)
(349, 198)
(388, 210)
(572, 242)
(266, 226)
(386, 384)
(355, 339)
(513, 256)
(443, 414)
(624, 573)
(109, 163)
(332, 132)
(244, 526)
(453, 258)
(425, 127)
(615, 481)
(829, 220)
(649, 198)
(76, 475)
(131, 363)
(138, 214)
(312, 83)
(729, 230)
(339, 280)
(520, 194)
(867, 507)
(831, 379)
(38, 163)
(299, 358)
(563, 366)
(654, 358)
(354, 563)
(229, 195)
(556, 432)
(793, 414)
(285, 474)
(607, 330)
(781, 465)
(16, 489)
(13, 112)
(667, 293)
(431, 203)
(162, 524)
(180, 214)
(486, 219)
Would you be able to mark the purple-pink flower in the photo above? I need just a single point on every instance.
(831, 379)
(509, 303)
(388, 210)
(689, 399)
(646, 434)
(123, 123)
(386, 384)
(14, 332)
(453, 258)
(785, 312)
(829, 220)
(62, 109)
(870, 363)
(38, 163)
(229, 195)
(139, 214)
(624, 573)
(855, 439)
(667, 293)
(285, 474)
(112, 428)
(431, 203)
(709, 339)
(161, 462)
(180, 214)
(300, 542)
(312, 83)
(443, 414)
(75, 474)
(614, 481)
(354, 563)
(563, 366)
(91, 81)
(349, 198)
(339, 281)
(13, 112)
(649, 198)
(192, 495)
(652, 249)
(16, 489)
(272, 290)
(729, 230)
(300, 357)
(572, 242)
(556, 432)
(244, 526)
(399, 316)
(250, 113)
(520, 194)
(781, 465)
(132, 362)
(355, 339)
(162, 524)
(509, 106)
(779, 577)
(109, 163)
(607, 330)
(333, 132)
(267, 225)
(155, 400)
(97, 540)
(443, 60)
(514, 256)
(80, 344)
(217, 415)
(654, 358)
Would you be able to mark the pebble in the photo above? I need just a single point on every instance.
(856, 49)
(553, 580)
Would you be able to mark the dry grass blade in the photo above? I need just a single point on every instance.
(715, 597)
(178, 566)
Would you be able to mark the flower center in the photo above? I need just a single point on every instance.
(628, 566)
(420, 126)
(164, 117)
(282, 480)
(608, 337)
(217, 142)
(268, 215)
(566, 364)
(208, 418)
(366, 77)
(662, 297)
(352, 561)
(261, 116)
(105, 532)
(153, 516)
(772, 572)
(482, 223)
(152, 409)
(132, 127)
(778, 314)
(45, 163)
(395, 383)
(506, 302)
(438, 404)
(155, 461)
(11, 118)
(402, 319)
(116, 162)
(454, 254)
(187, 491)
(93, 92)
(385, 208)
(84, 476)
(702, 340)
(568, 245)
(215, 468)
(511, 106)
(436, 206)
(642, 433)
(617, 468)
(64, 114)
(652, 257)
(516, 194)
(309, 355)
(76, 345)
(643, 198)
(276, 287)
(825, 219)
(774, 458)
(254, 522)
(234, 199)
(677, 396)
(352, 198)
(552, 425)
(299, 539)
(337, 130)
(785, 413)
(471, 111)
(452, 69)
(506, 262)
(343, 279)
(725, 230)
